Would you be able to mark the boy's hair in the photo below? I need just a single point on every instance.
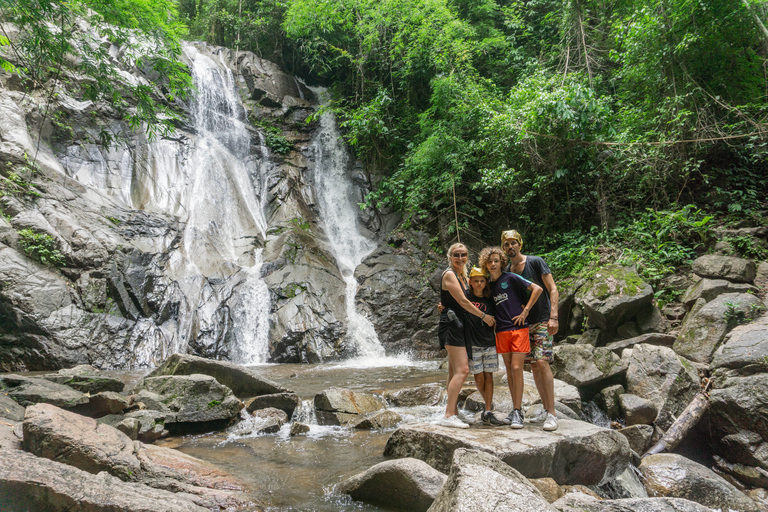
(486, 253)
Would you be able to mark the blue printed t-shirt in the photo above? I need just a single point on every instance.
(510, 293)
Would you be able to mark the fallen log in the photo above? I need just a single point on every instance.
(688, 419)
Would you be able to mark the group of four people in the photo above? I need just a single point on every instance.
(506, 305)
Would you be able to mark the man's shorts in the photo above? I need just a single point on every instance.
(513, 341)
(484, 359)
(541, 344)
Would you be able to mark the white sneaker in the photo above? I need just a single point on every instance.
(452, 421)
(550, 423)
(467, 418)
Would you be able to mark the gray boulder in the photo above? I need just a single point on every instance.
(336, 406)
(9, 409)
(608, 400)
(725, 267)
(299, 428)
(674, 476)
(243, 381)
(478, 481)
(708, 289)
(584, 365)
(262, 421)
(379, 419)
(286, 402)
(426, 394)
(664, 340)
(29, 390)
(578, 502)
(639, 437)
(577, 452)
(744, 352)
(658, 374)
(34, 483)
(146, 426)
(102, 404)
(748, 475)
(407, 484)
(638, 411)
(195, 398)
(704, 329)
(87, 379)
(613, 295)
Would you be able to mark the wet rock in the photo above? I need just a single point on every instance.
(336, 406)
(671, 475)
(34, 483)
(299, 428)
(658, 374)
(638, 411)
(578, 502)
(746, 475)
(639, 437)
(28, 391)
(709, 289)
(744, 351)
(407, 484)
(613, 295)
(760, 495)
(286, 402)
(725, 267)
(625, 485)
(243, 381)
(9, 409)
(548, 488)
(263, 421)
(608, 400)
(664, 340)
(577, 452)
(582, 365)
(704, 329)
(380, 419)
(480, 481)
(194, 399)
(271, 412)
(87, 379)
(426, 394)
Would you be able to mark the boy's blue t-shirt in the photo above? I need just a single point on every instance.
(510, 293)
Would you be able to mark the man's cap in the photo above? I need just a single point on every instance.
(477, 272)
(511, 233)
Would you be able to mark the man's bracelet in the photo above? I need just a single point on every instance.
(553, 318)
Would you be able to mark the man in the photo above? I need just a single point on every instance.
(542, 319)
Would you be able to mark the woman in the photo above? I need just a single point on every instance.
(509, 292)
(450, 330)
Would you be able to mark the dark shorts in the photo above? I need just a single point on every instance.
(449, 334)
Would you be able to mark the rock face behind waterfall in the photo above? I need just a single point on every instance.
(143, 274)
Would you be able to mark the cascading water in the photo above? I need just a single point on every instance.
(336, 198)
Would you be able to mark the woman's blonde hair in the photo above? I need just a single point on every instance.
(451, 249)
(486, 253)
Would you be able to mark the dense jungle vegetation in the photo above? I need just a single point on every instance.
(598, 128)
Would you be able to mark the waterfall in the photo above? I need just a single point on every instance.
(338, 211)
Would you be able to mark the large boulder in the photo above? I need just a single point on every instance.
(9, 409)
(584, 365)
(87, 379)
(244, 382)
(478, 481)
(577, 452)
(639, 437)
(665, 340)
(407, 484)
(658, 374)
(705, 328)
(638, 411)
(336, 406)
(379, 419)
(30, 390)
(613, 295)
(708, 289)
(286, 402)
(194, 399)
(30, 483)
(745, 350)
(426, 394)
(578, 502)
(725, 267)
(674, 476)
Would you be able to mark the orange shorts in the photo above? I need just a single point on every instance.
(513, 341)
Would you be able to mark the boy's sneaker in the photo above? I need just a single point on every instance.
(516, 419)
(490, 419)
(452, 421)
(467, 418)
(550, 423)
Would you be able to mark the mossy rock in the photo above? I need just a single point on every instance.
(613, 295)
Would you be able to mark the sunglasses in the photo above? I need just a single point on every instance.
(459, 255)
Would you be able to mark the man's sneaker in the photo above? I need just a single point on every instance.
(452, 421)
(490, 419)
(467, 418)
(516, 419)
(550, 423)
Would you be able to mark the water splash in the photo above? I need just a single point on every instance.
(592, 413)
(338, 210)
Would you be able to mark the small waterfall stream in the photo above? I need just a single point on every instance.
(336, 198)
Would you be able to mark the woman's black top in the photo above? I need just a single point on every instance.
(451, 332)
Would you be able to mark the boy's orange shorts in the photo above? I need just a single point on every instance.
(513, 341)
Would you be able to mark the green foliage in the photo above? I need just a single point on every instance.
(40, 247)
(747, 247)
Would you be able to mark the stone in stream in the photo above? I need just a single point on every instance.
(379, 419)
(81, 442)
(286, 402)
(29, 483)
(407, 484)
(725, 267)
(481, 482)
(145, 425)
(103, 404)
(639, 437)
(30, 390)
(608, 400)
(426, 394)
(577, 452)
(585, 365)
(637, 410)
(243, 381)
(299, 428)
(336, 406)
(87, 379)
(674, 476)
(578, 502)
